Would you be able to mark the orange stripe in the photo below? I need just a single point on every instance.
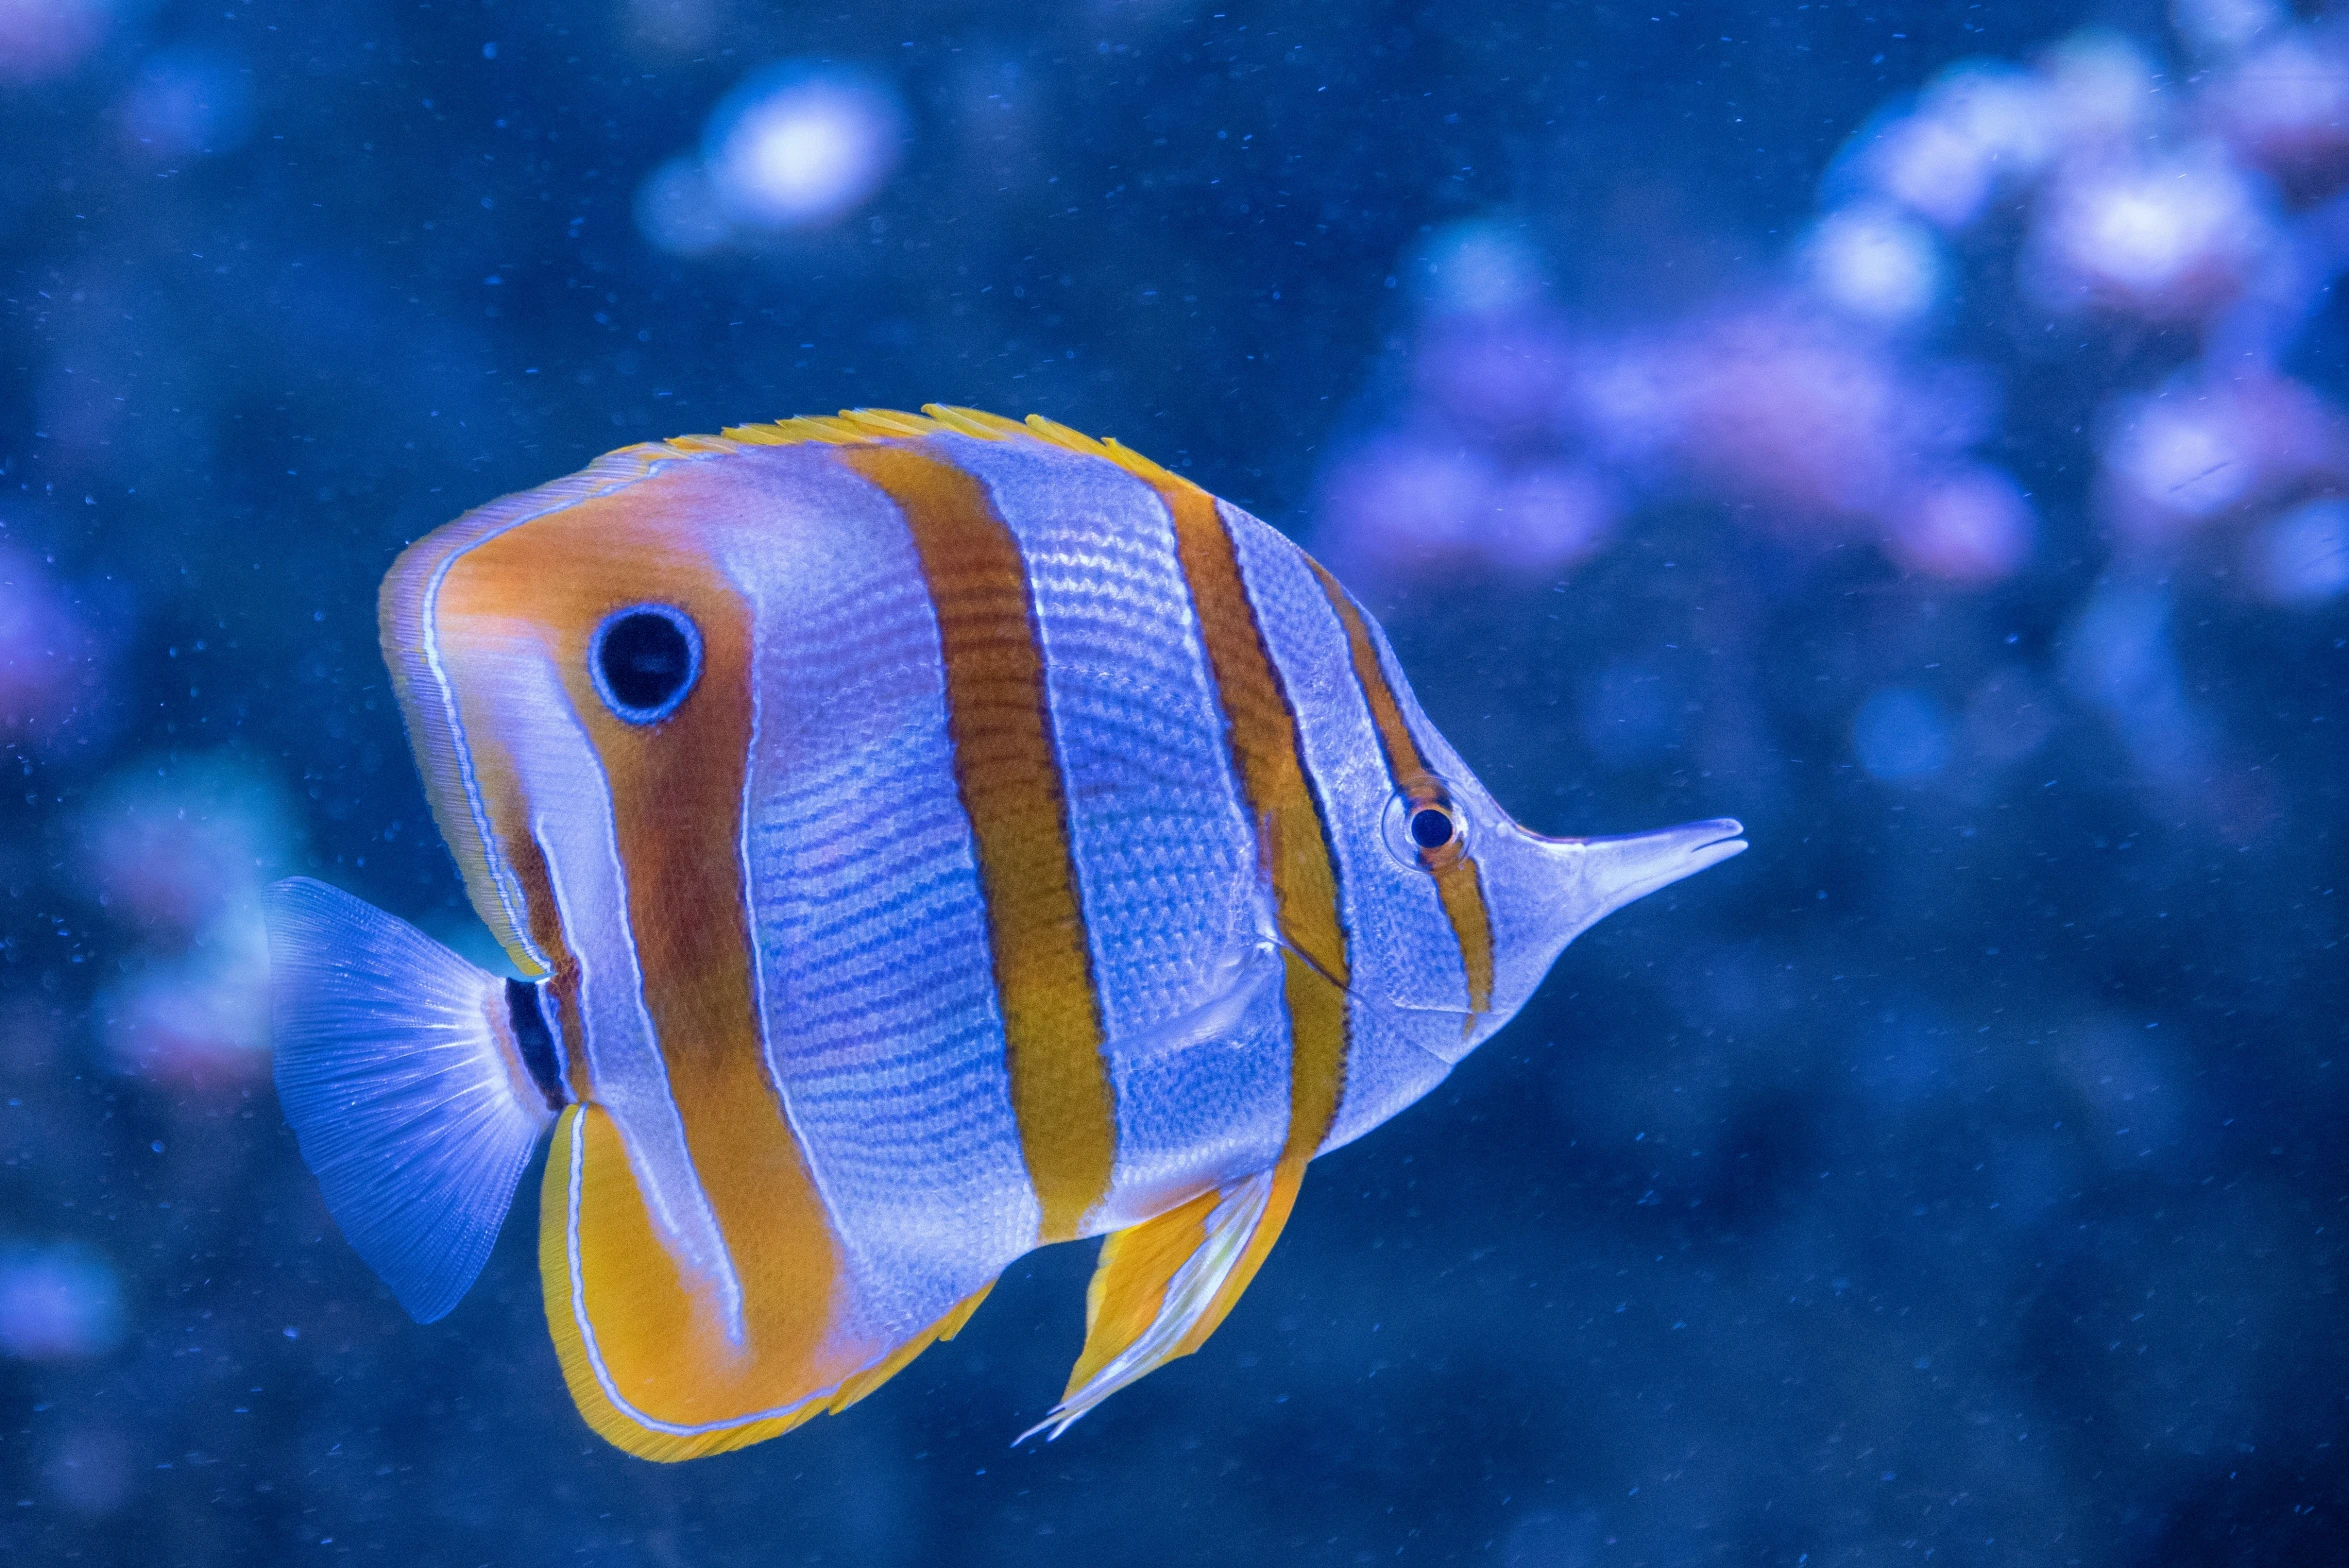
(676, 792)
(1458, 881)
(1293, 839)
(677, 795)
(1007, 770)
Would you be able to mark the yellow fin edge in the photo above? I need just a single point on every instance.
(632, 1437)
(1139, 1311)
(862, 426)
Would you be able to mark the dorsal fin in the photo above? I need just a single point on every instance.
(861, 426)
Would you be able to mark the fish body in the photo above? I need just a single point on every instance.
(920, 839)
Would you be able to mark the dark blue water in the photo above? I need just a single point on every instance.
(1915, 430)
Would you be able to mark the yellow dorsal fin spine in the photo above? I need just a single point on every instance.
(695, 446)
(1061, 435)
(1123, 456)
(974, 422)
(864, 426)
(861, 426)
(886, 422)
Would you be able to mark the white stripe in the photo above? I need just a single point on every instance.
(1397, 934)
(1163, 851)
(744, 585)
(885, 1040)
(573, 823)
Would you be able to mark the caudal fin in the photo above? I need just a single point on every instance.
(398, 1068)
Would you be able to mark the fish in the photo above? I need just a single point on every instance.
(916, 839)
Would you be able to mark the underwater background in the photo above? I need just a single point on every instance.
(1919, 431)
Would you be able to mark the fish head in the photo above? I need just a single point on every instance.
(1459, 910)
(1505, 900)
(1548, 891)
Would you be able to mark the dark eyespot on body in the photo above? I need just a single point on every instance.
(645, 661)
(1431, 827)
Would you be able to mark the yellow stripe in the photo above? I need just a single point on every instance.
(648, 1340)
(676, 791)
(1458, 881)
(1007, 770)
(1292, 838)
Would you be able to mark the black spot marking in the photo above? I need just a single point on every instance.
(645, 661)
(536, 1041)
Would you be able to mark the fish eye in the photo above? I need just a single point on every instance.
(645, 660)
(1423, 829)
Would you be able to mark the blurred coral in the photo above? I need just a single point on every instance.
(48, 658)
(2203, 449)
(1822, 405)
(2166, 238)
(180, 853)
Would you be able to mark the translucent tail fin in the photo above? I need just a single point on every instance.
(399, 1068)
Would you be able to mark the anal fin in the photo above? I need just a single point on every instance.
(1163, 1286)
(646, 1352)
(855, 1388)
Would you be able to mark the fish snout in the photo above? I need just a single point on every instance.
(1577, 882)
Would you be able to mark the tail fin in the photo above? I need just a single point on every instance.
(398, 1068)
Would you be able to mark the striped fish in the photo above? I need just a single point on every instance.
(920, 839)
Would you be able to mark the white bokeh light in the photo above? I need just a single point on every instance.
(1874, 264)
(1978, 129)
(2162, 238)
(801, 147)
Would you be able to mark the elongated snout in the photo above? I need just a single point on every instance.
(1594, 877)
(1545, 892)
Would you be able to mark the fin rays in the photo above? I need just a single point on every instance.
(1162, 1287)
(408, 1101)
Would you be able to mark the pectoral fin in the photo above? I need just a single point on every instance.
(1163, 1286)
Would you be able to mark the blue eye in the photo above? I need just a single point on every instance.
(645, 660)
(1423, 828)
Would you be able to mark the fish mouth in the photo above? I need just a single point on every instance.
(1673, 853)
(1601, 876)
(1618, 870)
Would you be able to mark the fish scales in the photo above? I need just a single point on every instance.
(883, 1029)
(1158, 837)
(932, 838)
